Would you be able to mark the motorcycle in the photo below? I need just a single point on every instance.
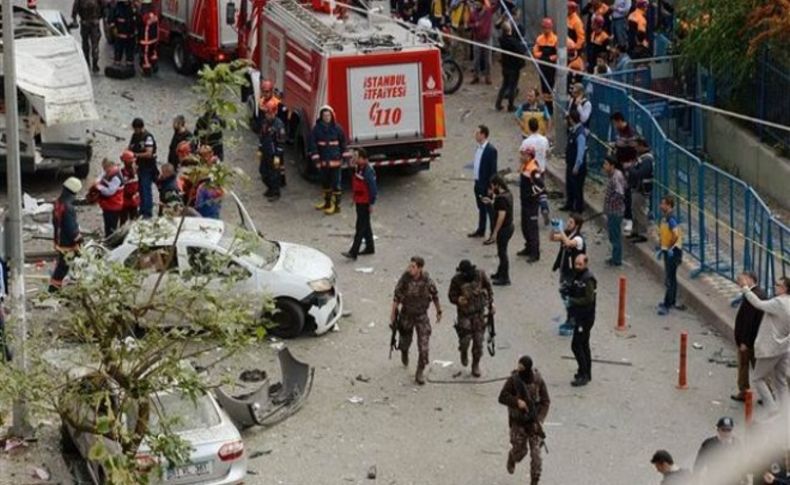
(452, 74)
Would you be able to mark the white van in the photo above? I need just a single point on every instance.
(55, 97)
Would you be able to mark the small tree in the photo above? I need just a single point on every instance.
(132, 327)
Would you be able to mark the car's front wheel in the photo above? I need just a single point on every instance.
(288, 319)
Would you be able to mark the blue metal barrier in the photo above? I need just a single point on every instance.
(727, 226)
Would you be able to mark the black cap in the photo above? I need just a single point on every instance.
(662, 456)
(465, 266)
(725, 423)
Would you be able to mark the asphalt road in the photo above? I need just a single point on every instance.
(441, 434)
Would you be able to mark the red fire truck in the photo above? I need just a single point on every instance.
(383, 81)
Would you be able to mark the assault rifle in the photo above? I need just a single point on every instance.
(394, 345)
(491, 334)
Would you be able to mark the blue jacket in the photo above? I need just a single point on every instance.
(327, 144)
(488, 162)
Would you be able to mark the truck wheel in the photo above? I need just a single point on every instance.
(82, 171)
(288, 320)
(184, 62)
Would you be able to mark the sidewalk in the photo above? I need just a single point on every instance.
(709, 294)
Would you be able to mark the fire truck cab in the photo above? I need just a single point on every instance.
(383, 81)
(199, 31)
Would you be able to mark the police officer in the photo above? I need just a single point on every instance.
(413, 295)
(270, 151)
(472, 294)
(580, 301)
(721, 448)
(572, 244)
(90, 13)
(143, 145)
(527, 398)
(66, 231)
(327, 150)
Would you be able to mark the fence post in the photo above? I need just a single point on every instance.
(683, 370)
(701, 216)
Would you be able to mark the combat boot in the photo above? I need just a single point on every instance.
(418, 377)
(404, 357)
(323, 205)
(476, 366)
(534, 481)
(464, 357)
(334, 204)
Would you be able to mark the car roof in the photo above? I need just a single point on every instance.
(162, 231)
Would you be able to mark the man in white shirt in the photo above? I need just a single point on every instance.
(540, 144)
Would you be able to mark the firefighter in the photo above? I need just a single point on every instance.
(111, 190)
(90, 13)
(270, 150)
(124, 28)
(290, 122)
(328, 150)
(545, 49)
(638, 43)
(148, 37)
(531, 186)
(66, 231)
(575, 63)
(575, 26)
(599, 41)
(131, 196)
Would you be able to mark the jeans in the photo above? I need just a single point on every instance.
(614, 226)
(672, 259)
(485, 213)
(482, 59)
(509, 87)
(146, 178)
(502, 240)
(363, 230)
(619, 31)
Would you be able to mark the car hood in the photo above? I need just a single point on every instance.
(305, 262)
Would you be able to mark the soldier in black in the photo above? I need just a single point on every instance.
(473, 296)
(580, 301)
(527, 398)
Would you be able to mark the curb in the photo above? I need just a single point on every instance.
(697, 295)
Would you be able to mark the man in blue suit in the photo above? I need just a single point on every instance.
(484, 169)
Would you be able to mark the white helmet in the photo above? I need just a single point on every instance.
(73, 184)
(424, 24)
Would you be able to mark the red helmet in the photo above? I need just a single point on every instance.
(573, 6)
(267, 85)
(547, 23)
(597, 21)
(127, 156)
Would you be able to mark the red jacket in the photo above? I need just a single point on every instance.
(131, 196)
(363, 185)
(112, 190)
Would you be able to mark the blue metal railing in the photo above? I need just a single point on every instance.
(727, 226)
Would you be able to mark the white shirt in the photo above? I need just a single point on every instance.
(541, 146)
(478, 156)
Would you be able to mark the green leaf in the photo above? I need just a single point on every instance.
(98, 452)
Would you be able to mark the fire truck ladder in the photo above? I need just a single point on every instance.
(294, 16)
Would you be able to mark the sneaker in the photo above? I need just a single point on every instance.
(628, 226)
(533, 259)
(662, 310)
(500, 282)
(611, 262)
(523, 252)
(581, 381)
(349, 255)
(679, 306)
(367, 251)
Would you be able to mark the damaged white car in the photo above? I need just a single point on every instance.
(299, 278)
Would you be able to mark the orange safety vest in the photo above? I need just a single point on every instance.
(599, 38)
(576, 62)
(638, 24)
(546, 47)
(576, 30)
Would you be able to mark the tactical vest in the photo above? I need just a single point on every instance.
(476, 296)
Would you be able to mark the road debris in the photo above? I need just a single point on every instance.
(259, 453)
(362, 378)
(364, 269)
(356, 400)
(372, 472)
(442, 363)
(40, 473)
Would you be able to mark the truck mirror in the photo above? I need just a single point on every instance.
(230, 13)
